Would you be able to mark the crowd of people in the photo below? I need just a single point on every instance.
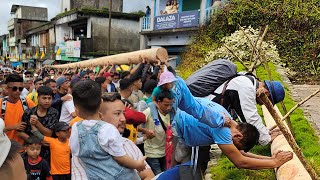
(144, 123)
(172, 7)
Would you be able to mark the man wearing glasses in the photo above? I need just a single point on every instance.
(13, 107)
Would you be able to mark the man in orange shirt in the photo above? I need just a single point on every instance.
(13, 107)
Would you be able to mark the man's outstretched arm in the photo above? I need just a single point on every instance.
(240, 161)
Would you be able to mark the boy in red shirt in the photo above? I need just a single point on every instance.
(36, 167)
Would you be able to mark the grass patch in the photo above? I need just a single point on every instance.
(304, 134)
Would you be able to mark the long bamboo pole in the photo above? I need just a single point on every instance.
(296, 149)
(282, 103)
(254, 64)
(293, 169)
(296, 106)
(150, 55)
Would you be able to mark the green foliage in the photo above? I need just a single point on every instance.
(139, 13)
(226, 170)
(104, 12)
(293, 27)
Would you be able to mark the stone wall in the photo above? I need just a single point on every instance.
(34, 13)
(124, 34)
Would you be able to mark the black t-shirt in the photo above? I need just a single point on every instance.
(39, 170)
(48, 121)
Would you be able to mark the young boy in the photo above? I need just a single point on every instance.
(99, 144)
(59, 150)
(36, 167)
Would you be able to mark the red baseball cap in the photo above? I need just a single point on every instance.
(107, 74)
(134, 117)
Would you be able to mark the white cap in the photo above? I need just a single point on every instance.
(5, 143)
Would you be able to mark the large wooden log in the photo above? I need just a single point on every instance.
(150, 55)
(293, 169)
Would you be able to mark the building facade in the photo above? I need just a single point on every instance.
(4, 47)
(173, 29)
(83, 34)
(79, 32)
(22, 19)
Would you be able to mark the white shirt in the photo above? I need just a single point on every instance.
(66, 110)
(78, 169)
(248, 103)
(109, 88)
(24, 92)
(117, 84)
(109, 138)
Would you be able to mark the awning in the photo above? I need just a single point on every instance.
(15, 64)
(48, 62)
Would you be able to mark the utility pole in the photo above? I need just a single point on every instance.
(109, 32)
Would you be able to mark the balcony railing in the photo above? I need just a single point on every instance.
(209, 12)
(184, 19)
(146, 24)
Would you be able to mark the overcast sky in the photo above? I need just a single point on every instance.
(53, 7)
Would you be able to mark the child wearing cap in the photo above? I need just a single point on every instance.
(165, 83)
(59, 150)
(36, 167)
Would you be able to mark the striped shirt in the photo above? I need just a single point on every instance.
(78, 168)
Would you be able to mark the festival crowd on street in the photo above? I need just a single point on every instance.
(142, 123)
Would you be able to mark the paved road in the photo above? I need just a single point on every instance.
(312, 106)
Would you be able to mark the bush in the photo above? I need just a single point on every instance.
(240, 44)
(294, 29)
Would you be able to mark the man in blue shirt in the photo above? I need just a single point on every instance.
(234, 141)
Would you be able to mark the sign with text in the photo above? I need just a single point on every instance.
(169, 21)
(188, 19)
(178, 20)
(69, 49)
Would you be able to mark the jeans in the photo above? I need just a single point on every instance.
(158, 165)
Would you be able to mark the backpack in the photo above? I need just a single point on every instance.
(4, 104)
(207, 79)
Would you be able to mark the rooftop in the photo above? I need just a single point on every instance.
(100, 13)
(14, 7)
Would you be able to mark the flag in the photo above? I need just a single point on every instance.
(42, 55)
(58, 51)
